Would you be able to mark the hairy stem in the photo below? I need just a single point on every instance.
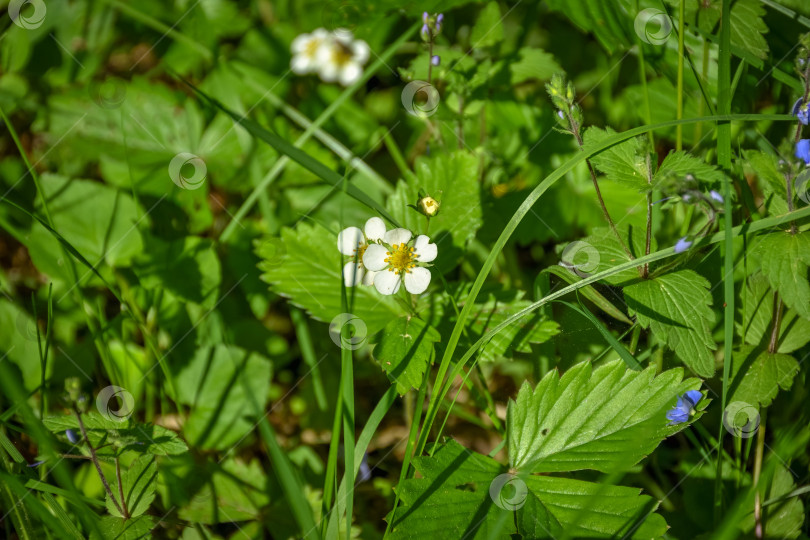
(758, 528)
(94, 459)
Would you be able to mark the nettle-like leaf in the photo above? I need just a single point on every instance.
(678, 164)
(757, 375)
(404, 349)
(488, 29)
(748, 28)
(772, 180)
(677, 308)
(624, 163)
(116, 528)
(757, 318)
(452, 179)
(306, 267)
(784, 259)
(129, 435)
(533, 64)
(602, 251)
(138, 485)
(605, 419)
(457, 493)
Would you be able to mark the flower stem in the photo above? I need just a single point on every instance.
(94, 459)
(758, 529)
(777, 322)
(121, 488)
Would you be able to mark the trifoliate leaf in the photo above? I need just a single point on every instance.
(677, 308)
(463, 494)
(757, 375)
(784, 259)
(129, 435)
(679, 163)
(533, 64)
(453, 180)
(404, 349)
(624, 162)
(757, 318)
(605, 419)
(306, 267)
(138, 484)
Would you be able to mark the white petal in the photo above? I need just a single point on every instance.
(300, 43)
(349, 240)
(375, 229)
(320, 33)
(301, 64)
(327, 69)
(360, 51)
(387, 282)
(350, 73)
(417, 280)
(398, 236)
(353, 274)
(425, 251)
(368, 277)
(343, 35)
(374, 257)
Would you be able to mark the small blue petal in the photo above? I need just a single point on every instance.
(693, 396)
(425, 17)
(801, 111)
(682, 245)
(716, 196)
(71, 435)
(425, 32)
(435, 60)
(803, 150)
(36, 464)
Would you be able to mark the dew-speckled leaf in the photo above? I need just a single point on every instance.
(404, 348)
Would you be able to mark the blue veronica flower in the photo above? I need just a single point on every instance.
(682, 245)
(425, 17)
(435, 60)
(716, 196)
(71, 436)
(801, 111)
(425, 32)
(684, 408)
(803, 150)
(439, 22)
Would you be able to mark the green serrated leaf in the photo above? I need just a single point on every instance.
(453, 180)
(624, 163)
(772, 181)
(404, 349)
(677, 308)
(679, 163)
(748, 28)
(488, 29)
(308, 271)
(462, 494)
(604, 420)
(533, 64)
(116, 528)
(144, 438)
(602, 251)
(757, 318)
(758, 375)
(138, 483)
(783, 518)
(784, 259)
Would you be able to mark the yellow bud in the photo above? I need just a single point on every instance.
(428, 206)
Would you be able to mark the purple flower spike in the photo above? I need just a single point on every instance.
(716, 196)
(435, 60)
(425, 17)
(439, 22)
(425, 32)
(801, 111)
(803, 150)
(682, 245)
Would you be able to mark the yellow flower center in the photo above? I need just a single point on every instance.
(401, 259)
(312, 47)
(341, 54)
(359, 252)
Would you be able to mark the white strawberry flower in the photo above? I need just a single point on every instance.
(398, 258)
(353, 242)
(306, 50)
(343, 60)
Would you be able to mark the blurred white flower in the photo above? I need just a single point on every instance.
(334, 56)
(403, 261)
(306, 48)
(353, 242)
